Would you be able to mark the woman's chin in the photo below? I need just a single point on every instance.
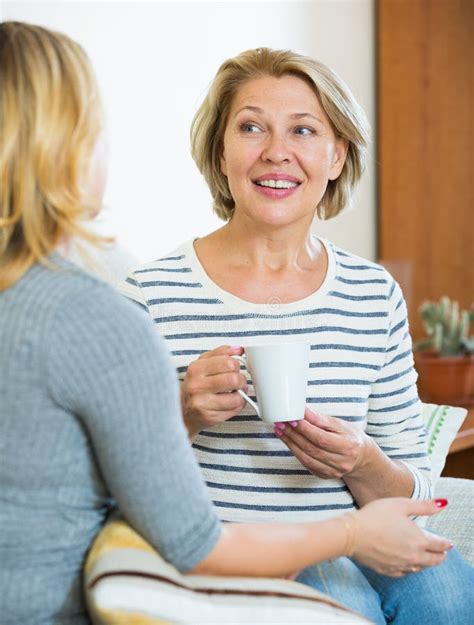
(278, 217)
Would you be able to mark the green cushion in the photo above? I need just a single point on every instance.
(442, 424)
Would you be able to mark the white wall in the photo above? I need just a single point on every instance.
(154, 61)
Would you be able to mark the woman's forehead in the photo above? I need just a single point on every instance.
(289, 94)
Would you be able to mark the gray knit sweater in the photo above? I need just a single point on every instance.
(89, 420)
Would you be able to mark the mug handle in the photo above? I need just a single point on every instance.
(251, 403)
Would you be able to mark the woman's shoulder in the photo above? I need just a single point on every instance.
(68, 279)
(55, 279)
(356, 272)
(70, 295)
(71, 309)
(349, 261)
(176, 261)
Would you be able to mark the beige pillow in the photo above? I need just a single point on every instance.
(127, 582)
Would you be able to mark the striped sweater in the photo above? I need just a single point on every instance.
(361, 370)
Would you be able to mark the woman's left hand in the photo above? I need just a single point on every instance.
(328, 447)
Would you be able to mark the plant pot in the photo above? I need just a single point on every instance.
(445, 379)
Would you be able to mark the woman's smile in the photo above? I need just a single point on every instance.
(277, 185)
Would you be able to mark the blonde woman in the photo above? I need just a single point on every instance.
(279, 138)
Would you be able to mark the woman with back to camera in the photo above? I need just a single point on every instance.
(84, 426)
(278, 138)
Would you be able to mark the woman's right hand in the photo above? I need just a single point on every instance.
(386, 539)
(208, 391)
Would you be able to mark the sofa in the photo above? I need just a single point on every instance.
(126, 580)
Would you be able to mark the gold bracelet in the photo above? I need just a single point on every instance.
(351, 526)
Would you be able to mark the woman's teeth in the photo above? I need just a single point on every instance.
(277, 184)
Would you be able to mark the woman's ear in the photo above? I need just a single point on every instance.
(340, 154)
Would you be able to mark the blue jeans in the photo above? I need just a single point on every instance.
(442, 594)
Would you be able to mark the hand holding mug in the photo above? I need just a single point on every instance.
(206, 391)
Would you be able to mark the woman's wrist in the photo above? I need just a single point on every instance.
(351, 531)
(192, 428)
(368, 454)
(190, 423)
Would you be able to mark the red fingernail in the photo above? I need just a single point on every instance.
(235, 347)
(441, 503)
(293, 423)
(278, 432)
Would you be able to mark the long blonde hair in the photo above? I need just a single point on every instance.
(50, 118)
(346, 115)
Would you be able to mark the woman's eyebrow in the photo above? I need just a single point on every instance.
(254, 109)
(301, 115)
(257, 109)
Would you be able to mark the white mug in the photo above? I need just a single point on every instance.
(279, 374)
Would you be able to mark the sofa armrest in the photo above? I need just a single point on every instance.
(456, 522)
(127, 581)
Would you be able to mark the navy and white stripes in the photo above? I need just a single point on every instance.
(361, 370)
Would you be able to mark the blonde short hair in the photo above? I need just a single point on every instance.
(346, 115)
(50, 119)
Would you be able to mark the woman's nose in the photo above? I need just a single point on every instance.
(276, 149)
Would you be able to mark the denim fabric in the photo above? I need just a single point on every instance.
(438, 595)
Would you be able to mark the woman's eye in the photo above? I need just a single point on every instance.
(303, 130)
(249, 128)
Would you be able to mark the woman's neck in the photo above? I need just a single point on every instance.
(258, 266)
(239, 244)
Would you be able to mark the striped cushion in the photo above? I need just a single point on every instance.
(128, 583)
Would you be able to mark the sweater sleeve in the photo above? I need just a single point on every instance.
(394, 418)
(109, 368)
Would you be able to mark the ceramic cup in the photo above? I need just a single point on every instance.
(279, 375)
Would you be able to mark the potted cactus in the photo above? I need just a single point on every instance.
(445, 359)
